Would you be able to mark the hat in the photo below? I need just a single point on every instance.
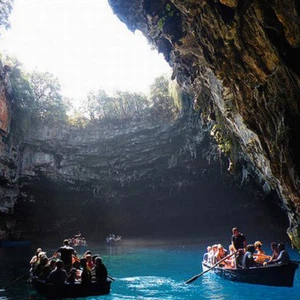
(257, 243)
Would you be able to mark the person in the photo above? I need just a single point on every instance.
(248, 259)
(87, 252)
(59, 275)
(258, 248)
(221, 252)
(66, 254)
(40, 264)
(72, 276)
(52, 264)
(34, 260)
(94, 257)
(238, 240)
(274, 249)
(212, 259)
(231, 261)
(239, 258)
(205, 256)
(99, 272)
(45, 268)
(89, 261)
(86, 276)
(283, 257)
(260, 255)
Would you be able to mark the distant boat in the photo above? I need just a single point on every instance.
(67, 290)
(14, 243)
(274, 275)
(112, 239)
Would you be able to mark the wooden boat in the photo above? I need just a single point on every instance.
(112, 240)
(68, 290)
(273, 275)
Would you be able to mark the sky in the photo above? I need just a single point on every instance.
(83, 44)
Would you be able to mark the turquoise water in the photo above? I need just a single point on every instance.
(149, 270)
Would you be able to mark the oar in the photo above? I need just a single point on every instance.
(197, 276)
(295, 262)
(111, 278)
(16, 280)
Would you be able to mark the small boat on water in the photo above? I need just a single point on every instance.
(273, 275)
(113, 239)
(68, 290)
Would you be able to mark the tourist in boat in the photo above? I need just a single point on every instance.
(239, 258)
(45, 268)
(258, 248)
(59, 275)
(206, 255)
(34, 260)
(231, 261)
(86, 276)
(274, 249)
(260, 255)
(87, 252)
(220, 254)
(38, 269)
(89, 261)
(94, 258)
(52, 264)
(66, 253)
(212, 258)
(283, 257)
(238, 240)
(72, 276)
(99, 272)
(248, 259)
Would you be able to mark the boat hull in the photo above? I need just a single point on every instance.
(273, 275)
(67, 290)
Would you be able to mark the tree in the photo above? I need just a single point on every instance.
(22, 96)
(48, 101)
(5, 10)
(163, 104)
(99, 105)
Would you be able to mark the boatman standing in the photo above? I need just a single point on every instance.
(238, 240)
(66, 253)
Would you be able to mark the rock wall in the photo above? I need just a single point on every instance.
(241, 59)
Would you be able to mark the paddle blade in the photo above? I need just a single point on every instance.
(192, 279)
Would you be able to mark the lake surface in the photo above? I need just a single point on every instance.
(148, 270)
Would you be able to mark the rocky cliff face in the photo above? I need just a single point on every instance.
(135, 178)
(241, 60)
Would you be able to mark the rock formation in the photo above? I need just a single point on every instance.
(241, 60)
(238, 61)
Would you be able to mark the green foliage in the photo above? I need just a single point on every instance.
(121, 105)
(5, 10)
(36, 94)
(222, 138)
(124, 105)
(164, 107)
(78, 119)
(48, 102)
(167, 13)
(21, 92)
